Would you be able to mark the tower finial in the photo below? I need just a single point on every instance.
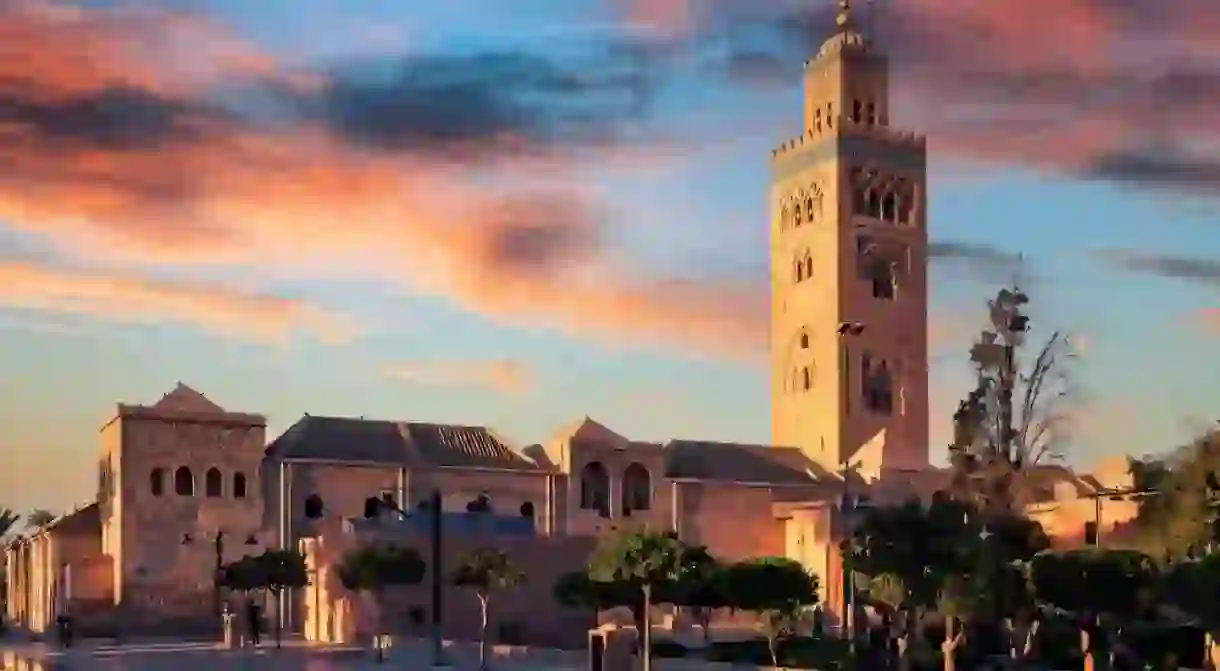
(844, 17)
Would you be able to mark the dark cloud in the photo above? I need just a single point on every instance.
(458, 103)
(1204, 271)
(985, 262)
(1163, 168)
(113, 118)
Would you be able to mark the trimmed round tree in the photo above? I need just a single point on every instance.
(370, 569)
(778, 589)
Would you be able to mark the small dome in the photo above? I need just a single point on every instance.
(848, 39)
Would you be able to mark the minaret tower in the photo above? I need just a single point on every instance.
(849, 315)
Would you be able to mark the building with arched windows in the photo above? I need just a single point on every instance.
(185, 484)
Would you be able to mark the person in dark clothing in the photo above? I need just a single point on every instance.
(254, 621)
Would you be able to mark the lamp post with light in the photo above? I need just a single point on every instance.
(218, 548)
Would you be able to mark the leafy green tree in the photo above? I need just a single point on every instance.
(243, 575)
(370, 569)
(702, 586)
(486, 571)
(1014, 418)
(1098, 586)
(280, 570)
(778, 589)
(648, 562)
(39, 519)
(576, 589)
(1179, 519)
(1194, 587)
(923, 546)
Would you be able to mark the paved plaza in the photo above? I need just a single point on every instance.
(191, 656)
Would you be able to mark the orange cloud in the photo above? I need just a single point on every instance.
(504, 376)
(192, 187)
(219, 309)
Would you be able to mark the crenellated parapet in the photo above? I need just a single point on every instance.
(843, 125)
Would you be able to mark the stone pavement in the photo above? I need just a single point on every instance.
(295, 655)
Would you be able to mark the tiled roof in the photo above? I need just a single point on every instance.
(395, 443)
(707, 460)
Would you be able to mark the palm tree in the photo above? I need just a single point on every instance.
(8, 520)
(39, 518)
(956, 603)
(486, 571)
(890, 593)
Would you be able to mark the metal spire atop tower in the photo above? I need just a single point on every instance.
(844, 17)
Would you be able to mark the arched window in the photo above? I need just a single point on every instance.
(527, 509)
(314, 507)
(810, 209)
(804, 341)
(184, 482)
(796, 214)
(806, 379)
(856, 108)
(239, 485)
(213, 484)
(156, 481)
(479, 504)
(881, 275)
(637, 489)
(878, 386)
(803, 267)
(595, 488)
(906, 203)
(889, 207)
(874, 203)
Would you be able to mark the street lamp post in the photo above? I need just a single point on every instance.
(847, 508)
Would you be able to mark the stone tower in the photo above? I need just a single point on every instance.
(180, 490)
(849, 355)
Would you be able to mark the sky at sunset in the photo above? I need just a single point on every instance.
(457, 212)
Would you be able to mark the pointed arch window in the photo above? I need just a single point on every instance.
(239, 485)
(637, 489)
(184, 482)
(796, 214)
(878, 385)
(874, 203)
(889, 207)
(881, 276)
(595, 488)
(213, 484)
(803, 267)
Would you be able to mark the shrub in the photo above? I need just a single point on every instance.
(668, 649)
